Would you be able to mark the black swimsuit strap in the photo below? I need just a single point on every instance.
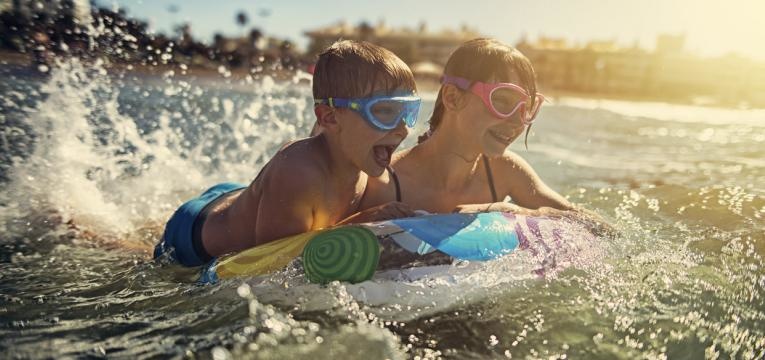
(395, 182)
(489, 177)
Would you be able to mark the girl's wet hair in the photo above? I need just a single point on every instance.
(354, 69)
(486, 60)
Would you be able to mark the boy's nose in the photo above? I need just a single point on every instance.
(401, 129)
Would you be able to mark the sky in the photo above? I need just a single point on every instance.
(711, 27)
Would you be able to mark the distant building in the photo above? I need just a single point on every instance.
(603, 67)
(411, 45)
(668, 44)
(598, 66)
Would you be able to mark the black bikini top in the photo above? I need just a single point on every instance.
(489, 176)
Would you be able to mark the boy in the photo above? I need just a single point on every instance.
(363, 94)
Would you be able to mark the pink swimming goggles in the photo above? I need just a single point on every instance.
(502, 99)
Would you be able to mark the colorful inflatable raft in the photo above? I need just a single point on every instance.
(352, 253)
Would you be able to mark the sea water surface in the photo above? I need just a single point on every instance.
(92, 163)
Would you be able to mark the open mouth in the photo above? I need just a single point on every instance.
(383, 154)
(504, 139)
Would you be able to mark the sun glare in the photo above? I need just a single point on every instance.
(715, 27)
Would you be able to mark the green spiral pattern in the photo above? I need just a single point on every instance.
(345, 254)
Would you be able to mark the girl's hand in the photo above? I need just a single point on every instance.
(490, 207)
(515, 209)
(594, 222)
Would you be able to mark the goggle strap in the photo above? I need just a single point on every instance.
(334, 102)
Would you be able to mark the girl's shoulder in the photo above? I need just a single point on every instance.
(521, 182)
(512, 164)
(379, 190)
(398, 155)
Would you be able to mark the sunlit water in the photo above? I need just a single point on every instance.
(92, 164)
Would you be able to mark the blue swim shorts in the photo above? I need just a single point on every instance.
(178, 239)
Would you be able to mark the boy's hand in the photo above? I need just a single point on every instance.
(387, 211)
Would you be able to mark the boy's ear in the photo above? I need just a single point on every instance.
(452, 97)
(316, 130)
(325, 117)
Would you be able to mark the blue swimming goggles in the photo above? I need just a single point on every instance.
(383, 112)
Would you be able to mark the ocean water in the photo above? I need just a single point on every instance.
(92, 163)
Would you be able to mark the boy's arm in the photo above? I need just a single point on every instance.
(287, 203)
(387, 211)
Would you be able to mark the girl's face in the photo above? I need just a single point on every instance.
(489, 134)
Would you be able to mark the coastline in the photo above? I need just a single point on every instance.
(23, 64)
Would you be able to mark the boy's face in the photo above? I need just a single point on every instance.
(367, 147)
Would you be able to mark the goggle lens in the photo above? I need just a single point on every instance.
(387, 112)
(506, 100)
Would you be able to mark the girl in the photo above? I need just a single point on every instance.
(487, 99)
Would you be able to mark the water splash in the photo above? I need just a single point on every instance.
(113, 154)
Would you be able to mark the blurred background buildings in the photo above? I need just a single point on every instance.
(37, 31)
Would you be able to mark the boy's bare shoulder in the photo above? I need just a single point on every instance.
(298, 166)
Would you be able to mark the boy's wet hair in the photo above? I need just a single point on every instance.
(353, 69)
(485, 60)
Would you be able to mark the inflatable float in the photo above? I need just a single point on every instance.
(353, 253)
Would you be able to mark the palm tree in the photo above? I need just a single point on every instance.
(242, 19)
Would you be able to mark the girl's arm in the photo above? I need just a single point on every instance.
(592, 220)
(516, 178)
